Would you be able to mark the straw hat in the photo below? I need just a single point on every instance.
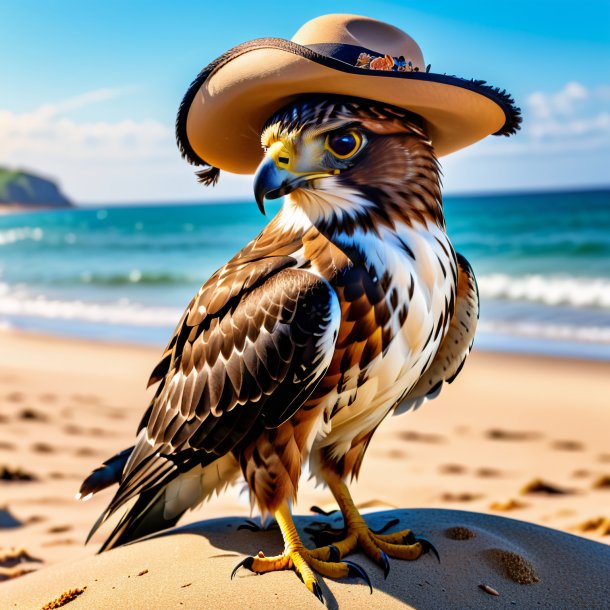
(222, 114)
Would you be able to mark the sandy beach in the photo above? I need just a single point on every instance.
(515, 436)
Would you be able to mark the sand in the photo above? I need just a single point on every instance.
(506, 563)
(515, 436)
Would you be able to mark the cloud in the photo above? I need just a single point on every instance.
(571, 120)
(104, 161)
(47, 131)
(564, 143)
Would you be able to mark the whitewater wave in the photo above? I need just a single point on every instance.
(121, 312)
(550, 290)
(557, 332)
(11, 236)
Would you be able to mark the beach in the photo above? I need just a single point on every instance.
(517, 444)
(523, 437)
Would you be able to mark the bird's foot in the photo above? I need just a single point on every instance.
(305, 564)
(378, 546)
(322, 534)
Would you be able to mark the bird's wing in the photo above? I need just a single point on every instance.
(456, 345)
(238, 363)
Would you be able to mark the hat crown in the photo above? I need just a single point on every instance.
(377, 36)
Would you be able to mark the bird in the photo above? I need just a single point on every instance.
(349, 307)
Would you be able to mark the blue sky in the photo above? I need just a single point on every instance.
(90, 89)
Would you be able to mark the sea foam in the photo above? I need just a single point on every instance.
(551, 290)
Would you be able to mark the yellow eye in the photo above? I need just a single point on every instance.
(343, 144)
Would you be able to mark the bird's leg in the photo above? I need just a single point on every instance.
(402, 545)
(297, 557)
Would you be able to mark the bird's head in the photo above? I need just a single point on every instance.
(344, 160)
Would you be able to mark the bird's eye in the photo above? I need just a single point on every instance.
(343, 144)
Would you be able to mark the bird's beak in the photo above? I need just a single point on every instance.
(271, 182)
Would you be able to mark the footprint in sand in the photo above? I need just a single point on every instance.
(602, 482)
(60, 542)
(488, 473)
(498, 434)
(567, 445)
(420, 437)
(512, 565)
(459, 532)
(460, 497)
(9, 560)
(581, 473)
(508, 505)
(8, 473)
(59, 529)
(597, 525)
(42, 448)
(538, 486)
(452, 469)
(32, 415)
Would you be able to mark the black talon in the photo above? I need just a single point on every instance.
(386, 527)
(355, 571)
(384, 562)
(409, 538)
(428, 547)
(250, 526)
(321, 511)
(333, 553)
(246, 563)
(317, 591)
(325, 536)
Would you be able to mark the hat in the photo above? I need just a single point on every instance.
(223, 112)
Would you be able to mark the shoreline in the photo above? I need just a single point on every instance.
(9, 209)
(485, 342)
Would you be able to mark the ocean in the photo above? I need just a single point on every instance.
(126, 273)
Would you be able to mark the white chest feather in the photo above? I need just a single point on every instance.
(420, 262)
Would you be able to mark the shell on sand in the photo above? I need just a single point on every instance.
(189, 567)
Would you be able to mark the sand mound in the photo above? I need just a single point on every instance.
(189, 568)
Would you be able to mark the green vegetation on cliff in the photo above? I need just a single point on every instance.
(23, 188)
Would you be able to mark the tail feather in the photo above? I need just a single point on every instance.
(107, 474)
(145, 517)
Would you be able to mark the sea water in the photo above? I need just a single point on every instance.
(126, 272)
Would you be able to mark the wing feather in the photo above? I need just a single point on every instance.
(250, 362)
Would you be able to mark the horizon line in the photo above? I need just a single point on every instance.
(453, 195)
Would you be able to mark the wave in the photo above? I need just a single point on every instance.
(121, 312)
(579, 292)
(135, 276)
(559, 332)
(11, 236)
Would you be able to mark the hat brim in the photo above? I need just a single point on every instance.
(223, 112)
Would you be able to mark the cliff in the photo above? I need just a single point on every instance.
(23, 189)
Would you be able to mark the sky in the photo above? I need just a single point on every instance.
(90, 90)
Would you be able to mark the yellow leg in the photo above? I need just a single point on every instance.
(401, 545)
(297, 557)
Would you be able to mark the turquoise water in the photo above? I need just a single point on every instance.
(542, 262)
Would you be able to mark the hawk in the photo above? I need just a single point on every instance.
(350, 306)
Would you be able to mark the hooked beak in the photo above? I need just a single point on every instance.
(271, 182)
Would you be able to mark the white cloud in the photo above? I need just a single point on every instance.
(564, 143)
(102, 161)
(570, 120)
(544, 106)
